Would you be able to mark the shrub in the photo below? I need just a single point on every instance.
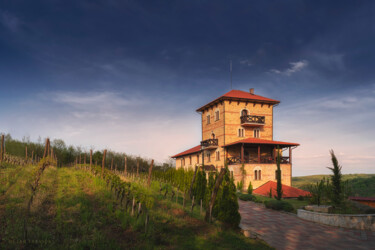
(279, 205)
(301, 198)
(250, 188)
(247, 197)
(240, 185)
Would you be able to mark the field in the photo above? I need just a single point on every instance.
(74, 209)
(361, 184)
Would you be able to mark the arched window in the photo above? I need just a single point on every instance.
(217, 115)
(256, 175)
(190, 160)
(256, 133)
(213, 135)
(244, 112)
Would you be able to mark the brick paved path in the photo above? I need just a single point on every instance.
(287, 231)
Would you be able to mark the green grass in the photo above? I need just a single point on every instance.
(72, 209)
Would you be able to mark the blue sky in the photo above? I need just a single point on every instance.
(129, 75)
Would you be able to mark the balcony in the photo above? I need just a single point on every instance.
(209, 144)
(263, 160)
(252, 120)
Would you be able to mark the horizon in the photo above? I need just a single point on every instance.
(128, 76)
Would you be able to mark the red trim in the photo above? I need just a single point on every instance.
(241, 96)
(196, 149)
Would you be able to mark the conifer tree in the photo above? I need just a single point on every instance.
(250, 188)
(336, 180)
(279, 189)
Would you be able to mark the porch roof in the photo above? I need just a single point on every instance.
(262, 141)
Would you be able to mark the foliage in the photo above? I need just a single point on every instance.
(279, 205)
(199, 188)
(336, 180)
(279, 190)
(270, 193)
(250, 188)
(239, 185)
(247, 197)
(228, 203)
(318, 191)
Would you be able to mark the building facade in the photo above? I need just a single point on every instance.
(237, 127)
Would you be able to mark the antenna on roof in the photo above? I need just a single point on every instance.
(230, 63)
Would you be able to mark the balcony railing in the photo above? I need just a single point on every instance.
(263, 160)
(252, 120)
(210, 143)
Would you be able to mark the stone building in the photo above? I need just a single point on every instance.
(237, 127)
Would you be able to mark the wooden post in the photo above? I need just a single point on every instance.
(103, 163)
(112, 164)
(80, 156)
(90, 158)
(84, 160)
(149, 173)
(219, 179)
(201, 206)
(51, 153)
(259, 154)
(133, 206)
(32, 156)
(192, 205)
(48, 147)
(242, 153)
(45, 149)
(137, 167)
(2, 148)
(26, 153)
(125, 167)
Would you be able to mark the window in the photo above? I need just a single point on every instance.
(256, 133)
(241, 132)
(183, 162)
(197, 159)
(244, 112)
(208, 119)
(258, 175)
(212, 135)
(208, 157)
(189, 160)
(218, 155)
(217, 115)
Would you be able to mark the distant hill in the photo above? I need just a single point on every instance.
(362, 184)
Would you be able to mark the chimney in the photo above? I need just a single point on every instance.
(252, 91)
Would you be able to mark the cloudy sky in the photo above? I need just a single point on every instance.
(128, 75)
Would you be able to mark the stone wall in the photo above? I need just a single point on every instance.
(353, 221)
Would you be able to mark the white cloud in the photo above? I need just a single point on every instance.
(246, 62)
(295, 67)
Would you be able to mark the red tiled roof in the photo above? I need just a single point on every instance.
(362, 198)
(288, 191)
(262, 141)
(189, 151)
(239, 94)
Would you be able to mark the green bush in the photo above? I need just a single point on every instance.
(247, 197)
(279, 205)
(250, 188)
(239, 185)
(301, 198)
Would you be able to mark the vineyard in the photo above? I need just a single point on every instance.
(91, 206)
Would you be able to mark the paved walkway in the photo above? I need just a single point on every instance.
(287, 231)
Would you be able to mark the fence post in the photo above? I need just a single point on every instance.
(2, 148)
(125, 168)
(103, 163)
(149, 173)
(26, 153)
(90, 159)
(192, 204)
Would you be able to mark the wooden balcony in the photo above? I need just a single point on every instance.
(252, 120)
(263, 160)
(209, 144)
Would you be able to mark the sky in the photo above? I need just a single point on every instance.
(129, 75)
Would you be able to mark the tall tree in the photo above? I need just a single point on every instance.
(279, 188)
(336, 179)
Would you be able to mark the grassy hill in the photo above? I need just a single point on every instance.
(362, 184)
(74, 209)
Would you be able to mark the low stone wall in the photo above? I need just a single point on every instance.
(353, 221)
